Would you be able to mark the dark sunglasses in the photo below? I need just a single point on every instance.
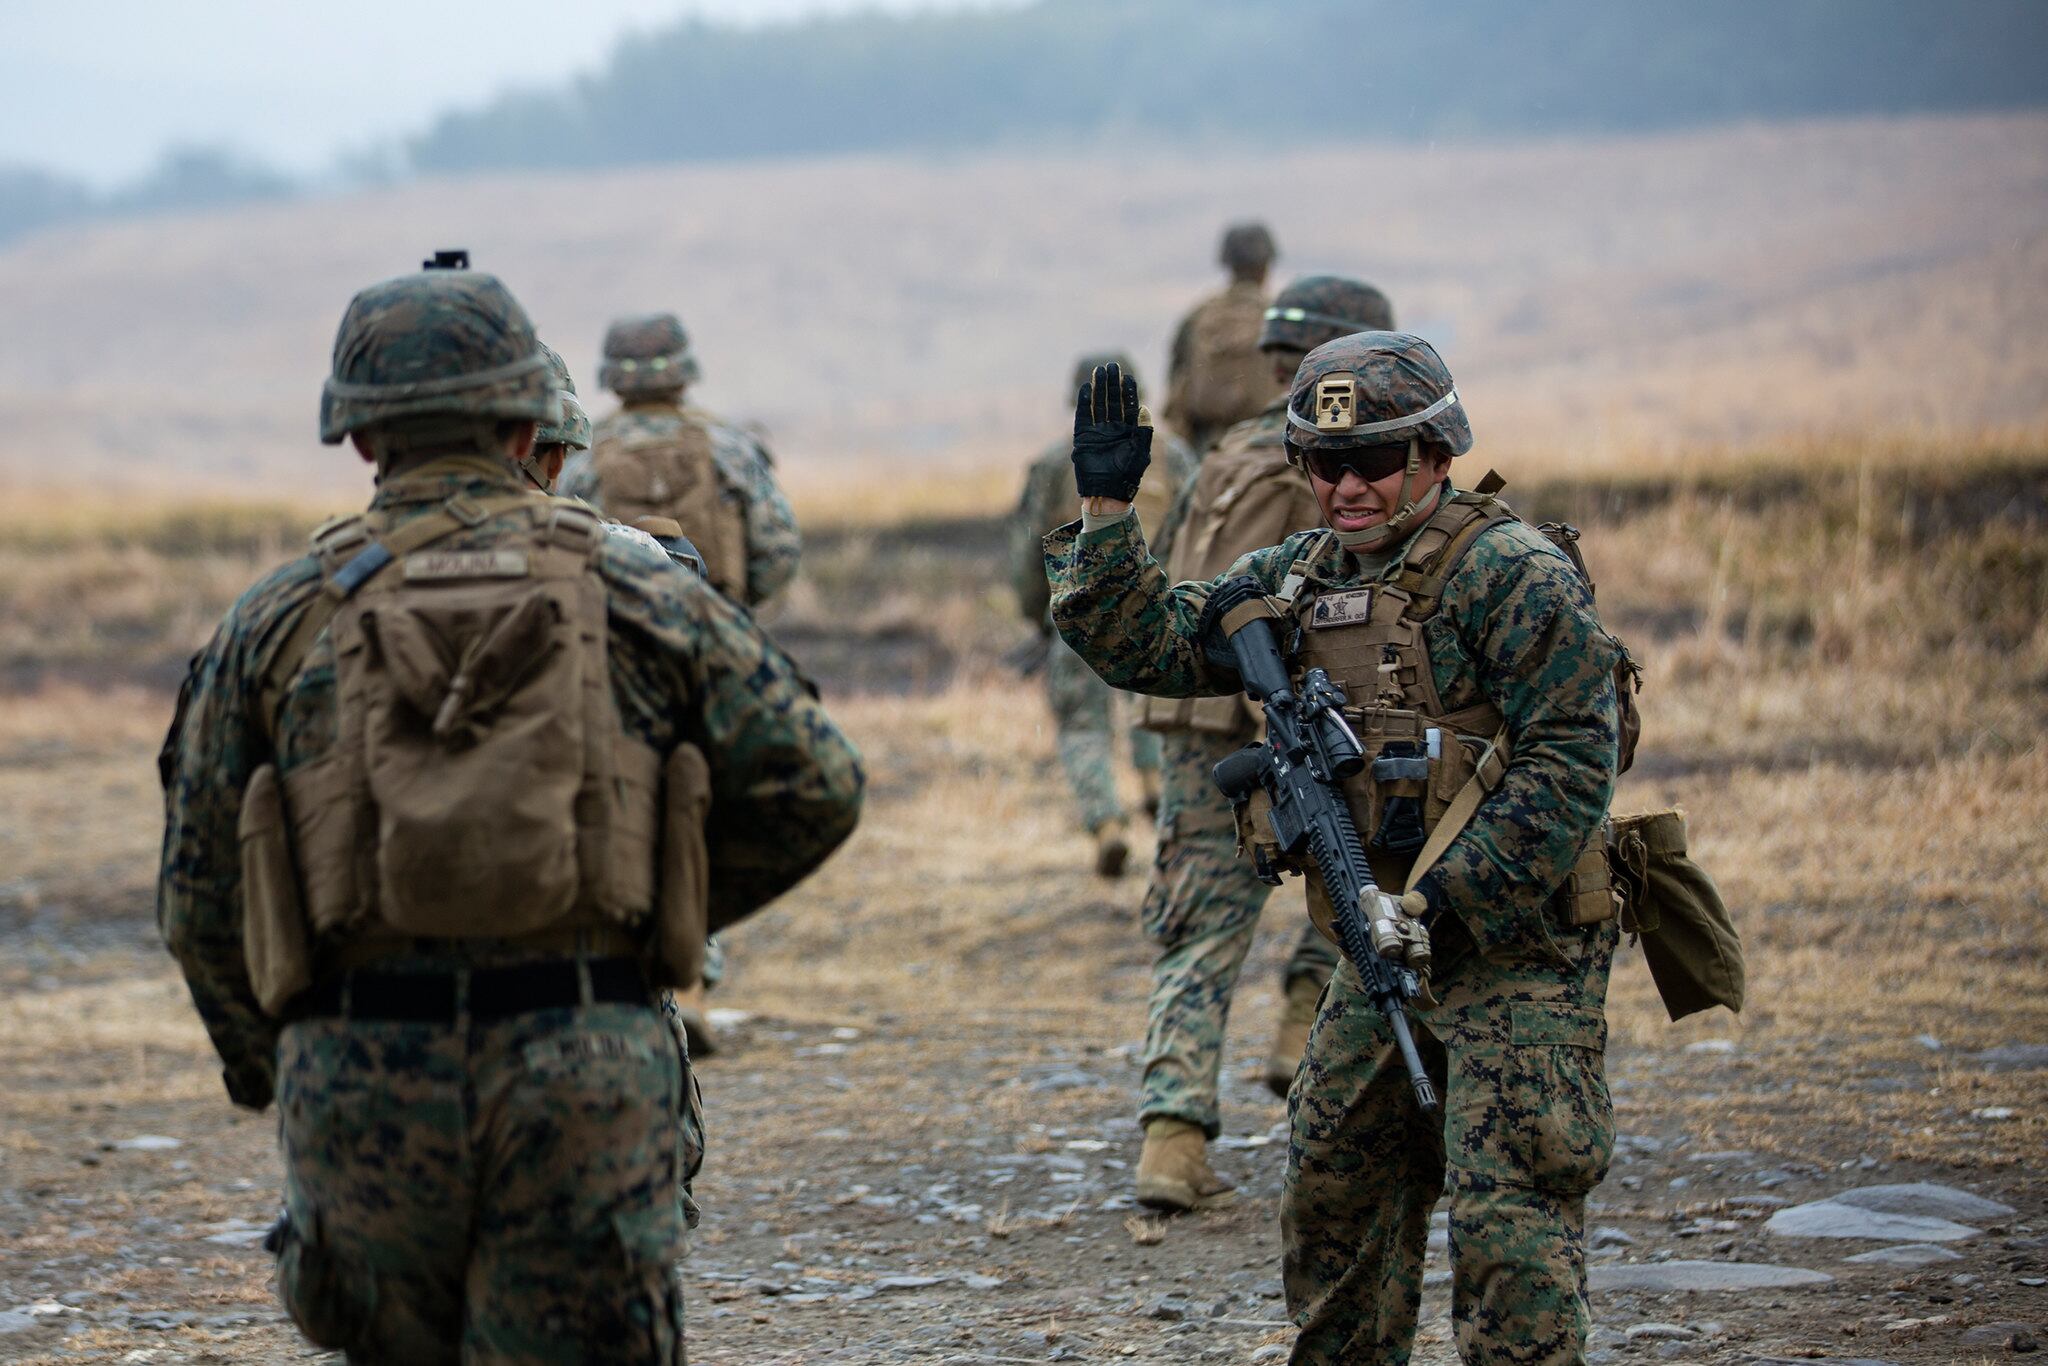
(1370, 463)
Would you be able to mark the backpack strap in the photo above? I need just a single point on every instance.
(350, 556)
(1454, 528)
(1297, 573)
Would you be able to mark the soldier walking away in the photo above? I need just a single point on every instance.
(447, 799)
(1482, 689)
(658, 457)
(1202, 907)
(661, 456)
(1082, 705)
(1216, 376)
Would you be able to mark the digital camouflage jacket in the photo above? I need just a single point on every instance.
(1516, 628)
(686, 665)
(1049, 499)
(773, 544)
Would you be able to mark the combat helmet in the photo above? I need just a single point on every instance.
(647, 356)
(1385, 389)
(445, 343)
(573, 430)
(1320, 308)
(1247, 248)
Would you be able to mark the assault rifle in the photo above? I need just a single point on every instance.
(1308, 751)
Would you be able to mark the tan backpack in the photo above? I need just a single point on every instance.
(480, 782)
(662, 464)
(1223, 379)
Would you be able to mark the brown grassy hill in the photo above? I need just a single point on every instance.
(1595, 296)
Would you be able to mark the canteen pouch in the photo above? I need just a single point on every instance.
(1688, 937)
(275, 942)
(683, 909)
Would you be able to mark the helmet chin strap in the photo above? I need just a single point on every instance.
(1416, 505)
(530, 467)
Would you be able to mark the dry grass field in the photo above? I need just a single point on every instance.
(921, 1128)
(888, 317)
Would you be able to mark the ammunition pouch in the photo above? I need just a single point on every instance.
(681, 916)
(275, 944)
(1669, 902)
(1587, 896)
(1232, 715)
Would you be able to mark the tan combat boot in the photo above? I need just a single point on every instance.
(1173, 1168)
(1297, 1016)
(691, 1010)
(1112, 850)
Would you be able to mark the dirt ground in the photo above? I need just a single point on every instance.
(921, 1121)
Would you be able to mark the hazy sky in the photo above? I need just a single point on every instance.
(97, 88)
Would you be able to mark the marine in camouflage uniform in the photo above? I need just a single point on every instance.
(651, 387)
(649, 363)
(1517, 1037)
(480, 1135)
(1083, 705)
(1202, 907)
(1215, 376)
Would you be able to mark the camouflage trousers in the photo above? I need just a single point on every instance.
(1202, 909)
(1082, 709)
(1517, 1048)
(503, 1192)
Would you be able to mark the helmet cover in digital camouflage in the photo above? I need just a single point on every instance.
(1320, 308)
(647, 355)
(437, 344)
(1247, 248)
(573, 429)
(1084, 369)
(1375, 389)
(1379, 389)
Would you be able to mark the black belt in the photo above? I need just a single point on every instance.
(494, 993)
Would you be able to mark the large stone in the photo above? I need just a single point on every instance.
(1925, 1199)
(1906, 1254)
(2013, 1057)
(1680, 1275)
(1832, 1219)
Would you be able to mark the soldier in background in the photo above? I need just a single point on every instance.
(1202, 907)
(659, 457)
(422, 876)
(1216, 377)
(1082, 709)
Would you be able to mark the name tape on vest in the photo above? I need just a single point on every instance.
(1341, 609)
(465, 564)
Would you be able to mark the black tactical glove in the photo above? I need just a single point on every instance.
(1112, 436)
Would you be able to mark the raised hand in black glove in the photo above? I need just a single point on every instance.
(1112, 436)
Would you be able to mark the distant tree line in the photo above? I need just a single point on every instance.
(1271, 71)
(1252, 69)
(183, 178)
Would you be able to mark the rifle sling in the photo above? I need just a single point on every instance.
(1486, 776)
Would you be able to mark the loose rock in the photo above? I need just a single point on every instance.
(1687, 1275)
(1906, 1254)
(1832, 1219)
(1925, 1199)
